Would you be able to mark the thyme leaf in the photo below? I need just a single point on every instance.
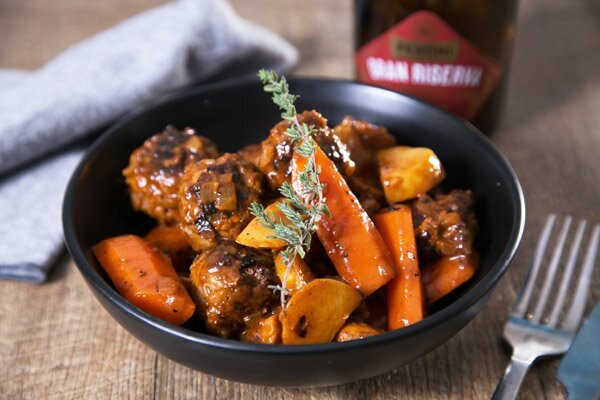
(305, 204)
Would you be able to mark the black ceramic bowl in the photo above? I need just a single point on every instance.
(96, 206)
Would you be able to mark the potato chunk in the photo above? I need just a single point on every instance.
(265, 329)
(356, 330)
(259, 236)
(299, 275)
(405, 172)
(317, 311)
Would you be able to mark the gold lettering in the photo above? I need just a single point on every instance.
(432, 51)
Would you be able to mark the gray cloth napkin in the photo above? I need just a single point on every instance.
(92, 84)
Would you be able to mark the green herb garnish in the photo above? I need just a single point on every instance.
(306, 204)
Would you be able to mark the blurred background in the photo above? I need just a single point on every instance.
(34, 31)
(549, 131)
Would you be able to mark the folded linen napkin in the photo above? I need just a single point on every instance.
(93, 83)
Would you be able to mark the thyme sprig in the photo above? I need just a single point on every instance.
(305, 205)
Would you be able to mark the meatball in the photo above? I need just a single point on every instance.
(445, 225)
(277, 150)
(214, 196)
(251, 153)
(367, 189)
(155, 168)
(232, 284)
(362, 140)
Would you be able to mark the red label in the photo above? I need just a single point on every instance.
(424, 57)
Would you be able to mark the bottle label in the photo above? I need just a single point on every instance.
(424, 57)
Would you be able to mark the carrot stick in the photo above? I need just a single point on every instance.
(349, 236)
(448, 273)
(169, 239)
(145, 277)
(173, 242)
(405, 297)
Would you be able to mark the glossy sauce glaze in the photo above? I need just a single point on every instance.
(350, 239)
(155, 169)
(214, 199)
(362, 273)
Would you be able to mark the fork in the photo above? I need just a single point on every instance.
(531, 336)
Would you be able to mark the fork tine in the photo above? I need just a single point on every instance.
(523, 299)
(556, 255)
(583, 285)
(567, 274)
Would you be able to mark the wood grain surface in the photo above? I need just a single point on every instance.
(56, 342)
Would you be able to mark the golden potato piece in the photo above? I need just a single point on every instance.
(356, 330)
(317, 311)
(406, 172)
(265, 329)
(259, 236)
(299, 275)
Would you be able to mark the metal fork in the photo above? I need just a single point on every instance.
(531, 336)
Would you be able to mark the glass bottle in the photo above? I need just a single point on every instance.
(452, 53)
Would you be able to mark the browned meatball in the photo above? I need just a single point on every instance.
(233, 286)
(251, 153)
(367, 188)
(362, 140)
(445, 225)
(277, 151)
(155, 168)
(214, 196)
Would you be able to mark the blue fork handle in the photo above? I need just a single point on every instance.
(509, 386)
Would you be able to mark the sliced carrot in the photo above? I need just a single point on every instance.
(173, 242)
(169, 239)
(354, 246)
(448, 273)
(145, 277)
(405, 297)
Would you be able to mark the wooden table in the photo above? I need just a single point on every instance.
(56, 342)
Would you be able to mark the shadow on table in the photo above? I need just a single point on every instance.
(60, 268)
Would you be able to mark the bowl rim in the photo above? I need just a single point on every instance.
(477, 292)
